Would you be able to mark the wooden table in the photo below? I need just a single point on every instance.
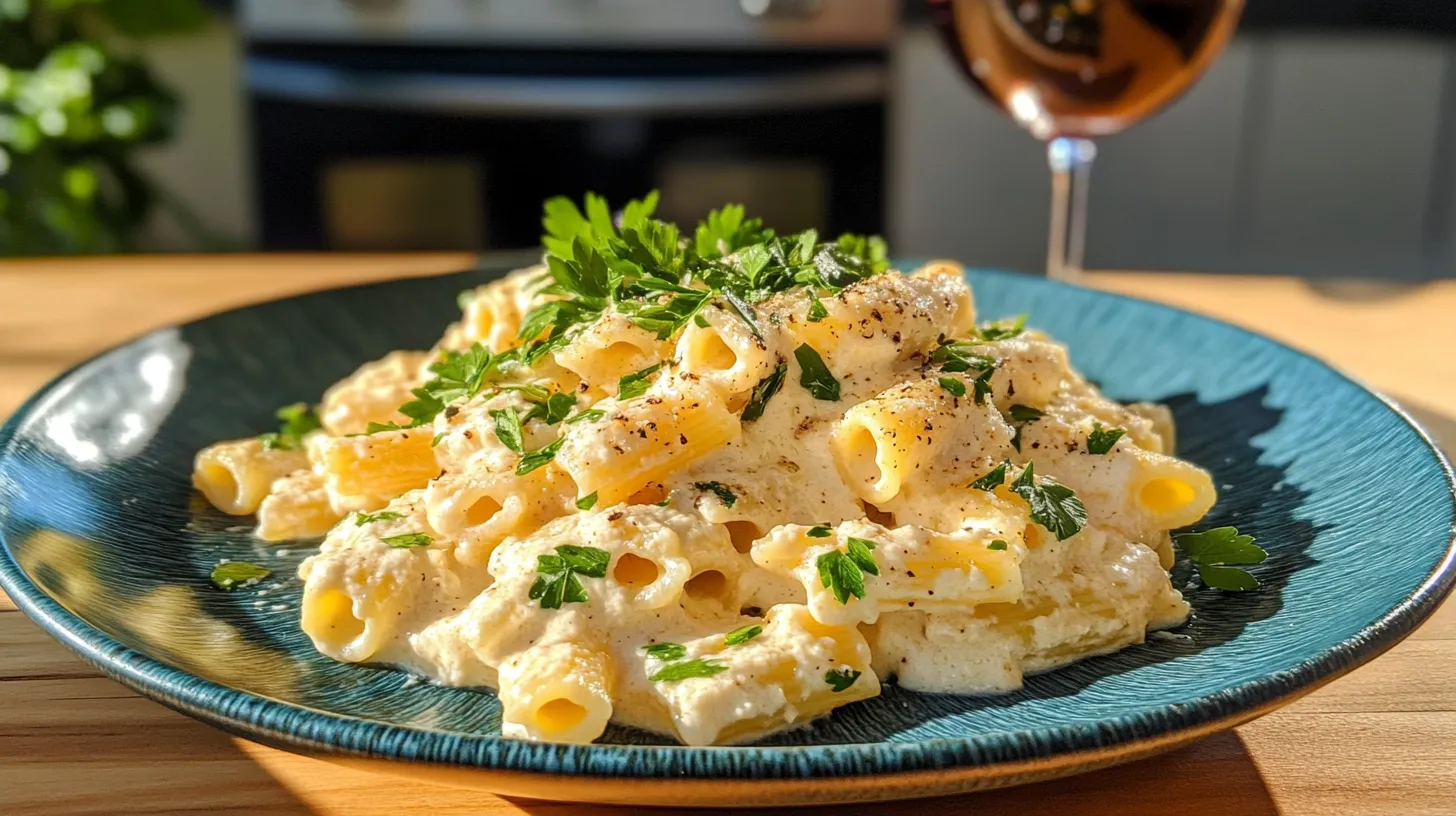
(1382, 740)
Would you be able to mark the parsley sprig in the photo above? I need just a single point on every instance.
(956, 357)
(458, 375)
(1101, 439)
(842, 571)
(298, 421)
(557, 581)
(1053, 505)
(661, 279)
(1215, 553)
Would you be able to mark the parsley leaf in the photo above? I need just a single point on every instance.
(1213, 552)
(557, 583)
(1003, 329)
(955, 387)
(1053, 506)
(998, 544)
(992, 480)
(666, 651)
(408, 541)
(859, 551)
(815, 376)
(840, 680)
(726, 496)
(819, 531)
(1024, 413)
(635, 385)
(843, 572)
(764, 391)
(1229, 579)
(361, 518)
(558, 407)
(674, 672)
(817, 312)
(742, 635)
(298, 421)
(458, 375)
(1101, 440)
(589, 415)
(982, 385)
(508, 429)
(956, 357)
(587, 502)
(1020, 415)
(725, 230)
(588, 561)
(538, 458)
(233, 575)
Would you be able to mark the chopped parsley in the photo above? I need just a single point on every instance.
(558, 407)
(820, 531)
(992, 480)
(666, 651)
(635, 385)
(841, 679)
(998, 544)
(956, 357)
(587, 502)
(817, 312)
(458, 375)
(408, 541)
(589, 415)
(842, 571)
(1019, 416)
(557, 581)
(726, 496)
(1215, 553)
(955, 387)
(361, 518)
(1053, 505)
(508, 430)
(742, 635)
(815, 375)
(1003, 329)
(1101, 440)
(298, 421)
(674, 672)
(764, 391)
(538, 458)
(231, 575)
(660, 279)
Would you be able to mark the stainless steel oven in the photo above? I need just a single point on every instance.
(442, 124)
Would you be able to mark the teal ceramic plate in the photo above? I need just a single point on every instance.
(108, 548)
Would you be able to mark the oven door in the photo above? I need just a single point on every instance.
(400, 149)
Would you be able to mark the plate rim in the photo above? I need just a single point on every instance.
(994, 754)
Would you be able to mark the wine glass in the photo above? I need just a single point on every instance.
(1070, 70)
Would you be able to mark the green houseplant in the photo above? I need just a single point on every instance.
(76, 102)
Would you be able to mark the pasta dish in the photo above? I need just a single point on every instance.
(715, 484)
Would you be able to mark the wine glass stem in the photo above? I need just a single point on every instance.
(1071, 164)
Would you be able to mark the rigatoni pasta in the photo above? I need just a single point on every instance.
(717, 484)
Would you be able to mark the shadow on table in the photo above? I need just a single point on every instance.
(1214, 777)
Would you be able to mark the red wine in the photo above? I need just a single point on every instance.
(1084, 67)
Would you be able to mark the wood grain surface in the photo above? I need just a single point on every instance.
(1380, 741)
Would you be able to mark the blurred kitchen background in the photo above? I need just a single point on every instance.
(1322, 143)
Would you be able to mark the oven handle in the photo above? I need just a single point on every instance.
(531, 97)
